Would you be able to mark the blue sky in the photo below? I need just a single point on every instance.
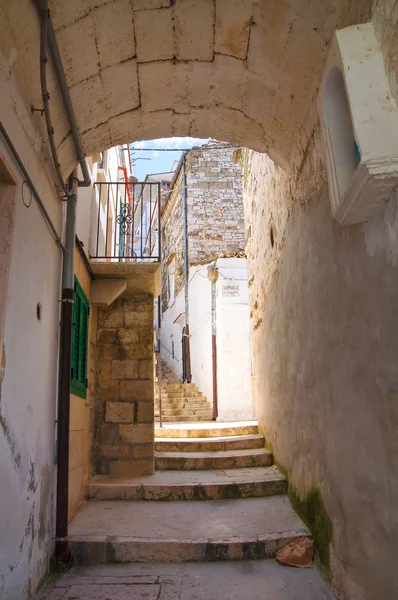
(161, 162)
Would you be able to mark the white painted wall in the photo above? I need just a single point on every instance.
(233, 336)
(233, 341)
(84, 208)
(200, 330)
(28, 390)
(171, 332)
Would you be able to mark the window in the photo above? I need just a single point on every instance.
(170, 280)
(81, 311)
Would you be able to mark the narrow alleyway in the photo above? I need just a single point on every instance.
(215, 496)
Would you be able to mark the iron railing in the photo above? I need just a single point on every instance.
(126, 220)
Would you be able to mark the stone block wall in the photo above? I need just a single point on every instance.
(216, 226)
(215, 205)
(172, 233)
(124, 398)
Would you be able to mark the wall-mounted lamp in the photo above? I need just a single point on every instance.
(212, 273)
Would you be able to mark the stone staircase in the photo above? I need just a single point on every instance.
(215, 496)
(181, 402)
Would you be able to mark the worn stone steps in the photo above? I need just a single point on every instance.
(207, 430)
(170, 405)
(185, 485)
(209, 444)
(189, 418)
(232, 459)
(183, 394)
(181, 412)
(134, 531)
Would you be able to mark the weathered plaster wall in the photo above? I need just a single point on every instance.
(124, 392)
(325, 329)
(28, 389)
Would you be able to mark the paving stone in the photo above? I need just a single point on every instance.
(113, 592)
(259, 580)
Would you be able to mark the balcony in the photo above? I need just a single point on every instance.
(125, 240)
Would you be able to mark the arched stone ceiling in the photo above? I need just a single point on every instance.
(245, 71)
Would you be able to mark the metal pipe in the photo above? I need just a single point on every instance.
(35, 193)
(160, 360)
(61, 546)
(159, 232)
(44, 18)
(214, 348)
(188, 374)
(63, 86)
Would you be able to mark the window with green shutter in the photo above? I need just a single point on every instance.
(81, 310)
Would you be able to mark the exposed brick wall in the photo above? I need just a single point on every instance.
(124, 441)
(215, 212)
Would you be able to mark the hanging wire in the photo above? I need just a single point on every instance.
(204, 147)
(23, 195)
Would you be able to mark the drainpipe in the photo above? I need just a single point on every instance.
(212, 274)
(188, 374)
(48, 37)
(61, 546)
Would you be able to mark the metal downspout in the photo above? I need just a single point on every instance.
(47, 36)
(214, 348)
(44, 20)
(61, 546)
(188, 374)
(63, 86)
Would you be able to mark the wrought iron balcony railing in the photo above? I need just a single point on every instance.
(126, 222)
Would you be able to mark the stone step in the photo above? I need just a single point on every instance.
(182, 395)
(133, 531)
(208, 430)
(190, 410)
(188, 418)
(242, 442)
(232, 459)
(183, 399)
(179, 387)
(183, 404)
(190, 485)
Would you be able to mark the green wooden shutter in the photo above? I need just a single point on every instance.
(79, 342)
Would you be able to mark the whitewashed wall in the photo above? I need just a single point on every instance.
(233, 336)
(28, 382)
(233, 341)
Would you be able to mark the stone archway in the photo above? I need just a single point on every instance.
(241, 71)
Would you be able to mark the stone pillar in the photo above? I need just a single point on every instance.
(124, 438)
